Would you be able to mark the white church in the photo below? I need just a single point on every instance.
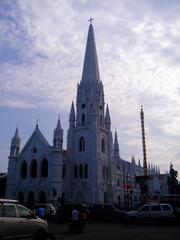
(90, 170)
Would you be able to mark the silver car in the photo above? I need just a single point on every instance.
(17, 221)
(153, 212)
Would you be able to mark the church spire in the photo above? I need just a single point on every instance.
(16, 135)
(72, 117)
(107, 119)
(15, 144)
(90, 68)
(116, 146)
(58, 124)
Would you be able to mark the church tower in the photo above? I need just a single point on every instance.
(89, 140)
(58, 136)
(12, 165)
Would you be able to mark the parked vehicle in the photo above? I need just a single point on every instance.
(174, 201)
(50, 210)
(106, 211)
(153, 212)
(17, 221)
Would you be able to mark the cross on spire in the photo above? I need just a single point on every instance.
(90, 20)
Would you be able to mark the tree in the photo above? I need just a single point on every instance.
(172, 180)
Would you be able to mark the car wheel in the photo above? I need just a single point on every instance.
(40, 235)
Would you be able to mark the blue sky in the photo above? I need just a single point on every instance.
(42, 44)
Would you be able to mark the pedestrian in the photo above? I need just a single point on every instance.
(75, 215)
(40, 212)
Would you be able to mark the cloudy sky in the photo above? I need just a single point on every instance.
(42, 44)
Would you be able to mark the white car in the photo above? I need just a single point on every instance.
(153, 212)
(17, 221)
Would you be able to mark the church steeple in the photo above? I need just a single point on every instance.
(15, 144)
(90, 68)
(58, 136)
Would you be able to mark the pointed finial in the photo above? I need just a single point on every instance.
(37, 121)
(90, 20)
(58, 123)
(16, 135)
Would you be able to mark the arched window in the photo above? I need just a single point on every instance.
(33, 168)
(103, 145)
(81, 144)
(31, 199)
(104, 172)
(118, 182)
(107, 172)
(80, 171)
(64, 171)
(24, 170)
(44, 168)
(83, 119)
(42, 197)
(86, 171)
(101, 120)
(75, 171)
(21, 197)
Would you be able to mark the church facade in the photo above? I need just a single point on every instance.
(90, 169)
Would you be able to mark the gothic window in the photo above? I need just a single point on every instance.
(83, 119)
(21, 197)
(118, 182)
(34, 150)
(80, 171)
(81, 144)
(24, 170)
(75, 171)
(42, 197)
(31, 199)
(104, 172)
(101, 122)
(103, 145)
(64, 171)
(44, 168)
(83, 105)
(58, 143)
(34, 169)
(107, 173)
(86, 171)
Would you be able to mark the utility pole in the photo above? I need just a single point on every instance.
(143, 142)
(145, 176)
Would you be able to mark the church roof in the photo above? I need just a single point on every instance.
(90, 68)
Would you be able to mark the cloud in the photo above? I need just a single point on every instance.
(42, 49)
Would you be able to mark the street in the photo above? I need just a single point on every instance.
(116, 231)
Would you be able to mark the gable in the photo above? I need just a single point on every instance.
(37, 144)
